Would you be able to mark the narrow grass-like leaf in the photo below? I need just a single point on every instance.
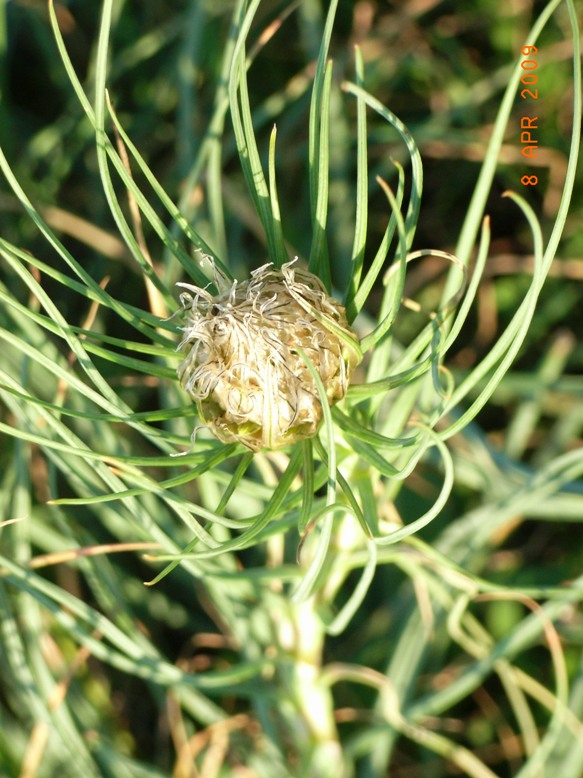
(358, 296)
(281, 255)
(319, 263)
(414, 205)
(396, 289)
(105, 149)
(509, 343)
(361, 217)
(437, 506)
(175, 213)
(306, 586)
(245, 136)
(356, 598)
(483, 186)
(308, 485)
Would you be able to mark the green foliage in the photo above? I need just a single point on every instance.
(399, 594)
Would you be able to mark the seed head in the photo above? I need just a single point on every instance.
(243, 367)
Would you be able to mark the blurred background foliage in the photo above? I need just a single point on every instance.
(442, 68)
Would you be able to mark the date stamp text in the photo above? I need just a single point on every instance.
(529, 124)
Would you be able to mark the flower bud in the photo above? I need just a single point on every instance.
(243, 367)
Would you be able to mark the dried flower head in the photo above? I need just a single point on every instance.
(243, 365)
